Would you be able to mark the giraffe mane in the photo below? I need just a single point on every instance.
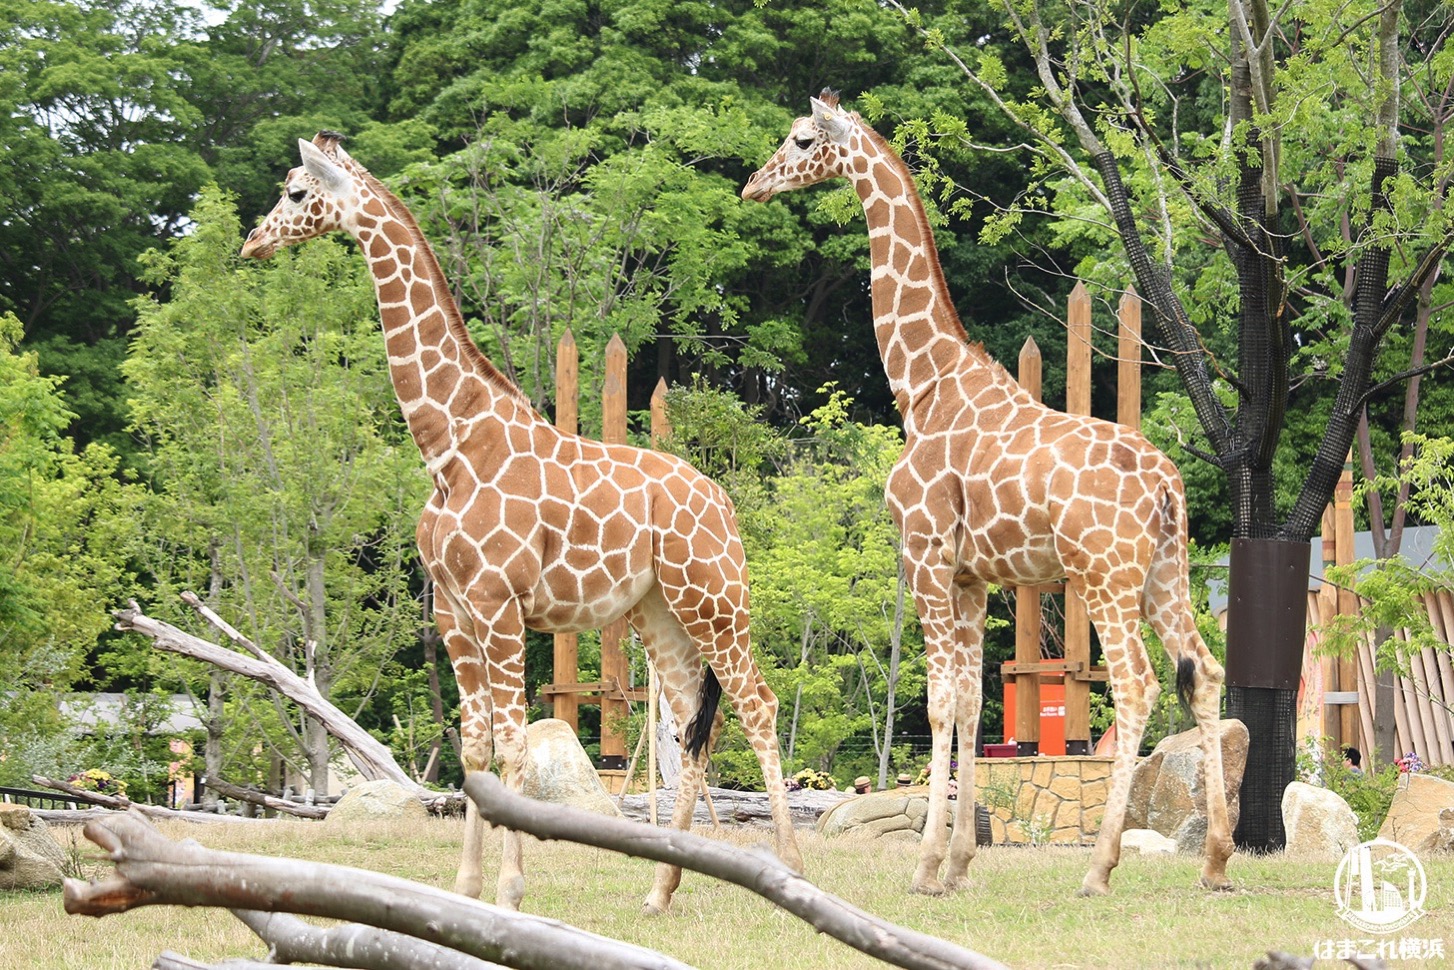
(946, 305)
(453, 318)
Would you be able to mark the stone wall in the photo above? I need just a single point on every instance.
(1043, 799)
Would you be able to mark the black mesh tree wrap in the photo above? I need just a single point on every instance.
(1267, 606)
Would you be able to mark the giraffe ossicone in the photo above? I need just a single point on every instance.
(530, 527)
(994, 487)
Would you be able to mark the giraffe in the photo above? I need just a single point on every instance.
(993, 487)
(531, 527)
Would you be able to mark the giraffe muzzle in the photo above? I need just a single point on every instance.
(259, 245)
(759, 187)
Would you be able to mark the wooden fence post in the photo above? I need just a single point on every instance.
(1128, 357)
(1077, 623)
(614, 670)
(1027, 607)
(567, 418)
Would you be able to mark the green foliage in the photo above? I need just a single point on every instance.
(67, 529)
(1392, 594)
(284, 484)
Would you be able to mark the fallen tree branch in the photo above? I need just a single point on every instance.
(110, 804)
(291, 940)
(372, 758)
(760, 871)
(805, 805)
(229, 790)
(153, 870)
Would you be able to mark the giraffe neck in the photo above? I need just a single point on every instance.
(920, 337)
(443, 381)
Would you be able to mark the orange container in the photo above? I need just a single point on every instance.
(1052, 714)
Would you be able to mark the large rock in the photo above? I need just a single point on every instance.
(29, 857)
(1166, 790)
(1146, 842)
(558, 770)
(377, 801)
(1318, 822)
(1442, 841)
(1413, 816)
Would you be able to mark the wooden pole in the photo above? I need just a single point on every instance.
(660, 428)
(614, 670)
(1328, 608)
(1347, 598)
(1027, 606)
(1077, 623)
(1128, 356)
(567, 418)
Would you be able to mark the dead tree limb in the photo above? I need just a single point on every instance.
(760, 871)
(291, 940)
(153, 870)
(229, 790)
(372, 758)
(108, 804)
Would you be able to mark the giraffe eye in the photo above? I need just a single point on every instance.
(298, 195)
(803, 143)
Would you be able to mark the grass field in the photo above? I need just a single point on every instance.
(1020, 909)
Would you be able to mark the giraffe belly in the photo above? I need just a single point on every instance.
(569, 601)
(1009, 557)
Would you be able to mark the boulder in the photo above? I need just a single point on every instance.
(1318, 822)
(29, 857)
(557, 769)
(1166, 791)
(376, 801)
(1413, 816)
(1146, 842)
(1442, 841)
(875, 812)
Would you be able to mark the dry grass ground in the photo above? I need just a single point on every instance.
(1021, 908)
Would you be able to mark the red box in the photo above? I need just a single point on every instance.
(1000, 750)
(1052, 716)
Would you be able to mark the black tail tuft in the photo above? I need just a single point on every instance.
(1186, 682)
(699, 732)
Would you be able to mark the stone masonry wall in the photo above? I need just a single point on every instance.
(1043, 799)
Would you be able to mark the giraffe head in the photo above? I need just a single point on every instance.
(318, 197)
(816, 150)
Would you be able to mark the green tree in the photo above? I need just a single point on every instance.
(67, 528)
(285, 484)
(1260, 175)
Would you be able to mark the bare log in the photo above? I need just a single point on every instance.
(109, 804)
(169, 960)
(372, 758)
(760, 871)
(229, 790)
(291, 940)
(153, 870)
(739, 807)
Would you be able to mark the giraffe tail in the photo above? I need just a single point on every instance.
(1186, 682)
(699, 732)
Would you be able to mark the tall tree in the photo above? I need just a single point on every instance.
(1175, 135)
(285, 485)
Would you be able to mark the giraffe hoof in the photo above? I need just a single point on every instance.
(1089, 889)
(927, 887)
(1218, 883)
(650, 908)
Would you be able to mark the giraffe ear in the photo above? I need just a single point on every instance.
(835, 123)
(321, 167)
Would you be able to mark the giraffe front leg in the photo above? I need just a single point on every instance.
(970, 603)
(476, 737)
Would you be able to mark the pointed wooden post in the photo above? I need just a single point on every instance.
(1128, 356)
(1347, 599)
(1077, 623)
(567, 418)
(1027, 607)
(614, 671)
